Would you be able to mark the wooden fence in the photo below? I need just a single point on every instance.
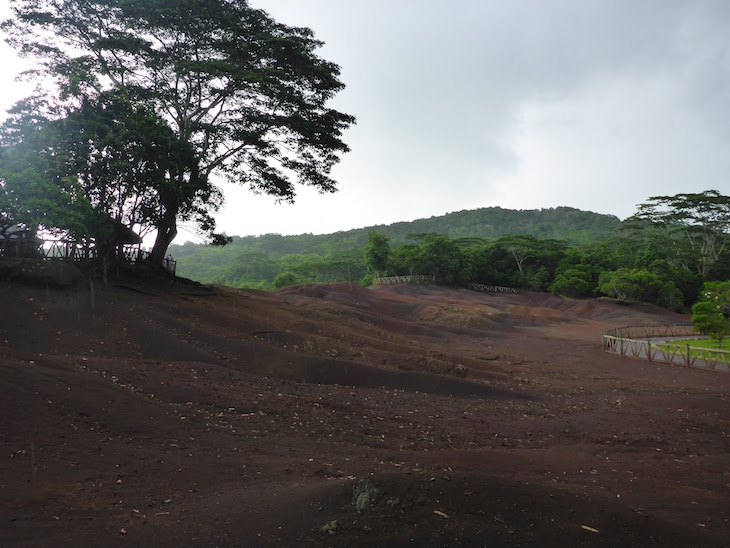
(494, 288)
(417, 279)
(645, 343)
(432, 280)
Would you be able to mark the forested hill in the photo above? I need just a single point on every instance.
(255, 261)
(561, 223)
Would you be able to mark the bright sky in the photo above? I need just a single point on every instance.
(591, 104)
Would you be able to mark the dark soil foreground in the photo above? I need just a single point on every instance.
(154, 411)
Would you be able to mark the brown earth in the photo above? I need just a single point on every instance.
(153, 411)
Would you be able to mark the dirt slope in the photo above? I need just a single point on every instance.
(161, 412)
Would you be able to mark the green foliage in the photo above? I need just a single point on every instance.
(377, 253)
(697, 343)
(106, 165)
(631, 268)
(640, 285)
(35, 191)
(561, 223)
(240, 94)
(573, 283)
(441, 257)
(711, 314)
(670, 297)
(695, 227)
(631, 285)
(367, 279)
(251, 268)
(522, 260)
(285, 279)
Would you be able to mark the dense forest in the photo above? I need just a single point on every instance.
(254, 261)
(575, 253)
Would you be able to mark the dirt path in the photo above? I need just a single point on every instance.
(174, 414)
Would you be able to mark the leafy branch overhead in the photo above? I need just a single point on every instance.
(246, 94)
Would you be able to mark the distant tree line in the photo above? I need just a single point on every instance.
(662, 255)
(254, 261)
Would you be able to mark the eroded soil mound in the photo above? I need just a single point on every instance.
(162, 412)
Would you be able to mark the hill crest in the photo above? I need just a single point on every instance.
(561, 223)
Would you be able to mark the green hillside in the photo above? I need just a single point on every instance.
(255, 261)
(561, 223)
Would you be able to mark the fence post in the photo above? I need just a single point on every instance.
(620, 346)
(648, 348)
(686, 360)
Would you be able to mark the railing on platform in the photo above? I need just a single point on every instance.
(404, 279)
(71, 251)
(645, 343)
(493, 288)
(413, 278)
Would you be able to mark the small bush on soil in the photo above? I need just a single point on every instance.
(364, 495)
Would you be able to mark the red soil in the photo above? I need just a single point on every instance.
(170, 413)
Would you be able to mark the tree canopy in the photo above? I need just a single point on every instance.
(239, 94)
(377, 253)
(711, 314)
(696, 227)
(630, 269)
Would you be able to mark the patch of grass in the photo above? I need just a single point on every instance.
(695, 345)
(703, 343)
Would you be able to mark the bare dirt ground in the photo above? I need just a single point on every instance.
(161, 412)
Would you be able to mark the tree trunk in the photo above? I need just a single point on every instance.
(166, 232)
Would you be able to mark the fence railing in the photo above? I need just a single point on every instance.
(653, 331)
(432, 279)
(494, 288)
(404, 279)
(70, 251)
(645, 343)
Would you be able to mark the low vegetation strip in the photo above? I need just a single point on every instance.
(636, 342)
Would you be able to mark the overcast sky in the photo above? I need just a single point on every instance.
(592, 104)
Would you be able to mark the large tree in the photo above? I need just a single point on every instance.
(377, 253)
(695, 227)
(104, 167)
(247, 94)
(441, 257)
